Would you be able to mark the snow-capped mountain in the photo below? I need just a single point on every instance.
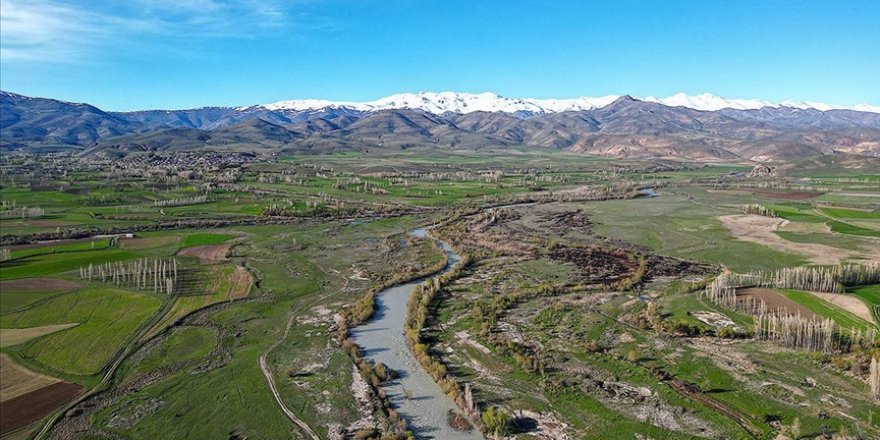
(720, 130)
(452, 102)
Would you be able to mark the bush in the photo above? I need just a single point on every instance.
(496, 420)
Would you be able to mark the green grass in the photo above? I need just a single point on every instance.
(203, 239)
(871, 294)
(99, 244)
(797, 214)
(671, 225)
(850, 214)
(107, 318)
(846, 228)
(822, 308)
(834, 240)
(14, 300)
(216, 403)
(54, 264)
(185, 344)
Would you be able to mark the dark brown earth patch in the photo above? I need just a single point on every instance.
(23, 410)
(660, 266)
(596, 264)
(776, 302)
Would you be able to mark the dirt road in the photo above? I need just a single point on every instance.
(271, 380)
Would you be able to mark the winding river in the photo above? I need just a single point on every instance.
(382, 340)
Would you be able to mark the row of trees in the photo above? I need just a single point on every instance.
(759, 210)
(395, 426)
(159, 275)
(833, 279)
(796, 331)
(194, 200)
(792, 330)
(23, 212)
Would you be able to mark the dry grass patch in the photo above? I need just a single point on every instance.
(22, 410)
(16, 380)
(15, 336)
(148, 242)
(239, 283)
(214, 253)
(849, 303)
(761, 230)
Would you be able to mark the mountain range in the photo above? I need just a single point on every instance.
(703, 127)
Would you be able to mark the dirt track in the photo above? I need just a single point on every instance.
(270, 379)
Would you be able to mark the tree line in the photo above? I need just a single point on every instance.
(159, 275)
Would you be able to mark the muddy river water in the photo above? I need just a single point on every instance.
(382, 340)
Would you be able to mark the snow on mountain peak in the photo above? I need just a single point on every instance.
(443, 102)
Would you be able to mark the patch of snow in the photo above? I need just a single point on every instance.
(445, 102)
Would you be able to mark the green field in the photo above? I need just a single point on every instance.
(851, 214)
(846, 228)
(107, 318)
(56, 264)
(822, 308)
(186, 344)
(62, 248)
(871, 294)
(13, 300)
(674, 226)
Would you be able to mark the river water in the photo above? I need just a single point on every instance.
(382, 340)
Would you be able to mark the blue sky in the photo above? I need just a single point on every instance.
(148, 54)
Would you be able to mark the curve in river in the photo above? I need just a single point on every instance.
(382, 340)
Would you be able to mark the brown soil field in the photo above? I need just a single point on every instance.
(25, 409)
(17, 380)
(789, 195)
(39, 285)
(776, 301)
(15, 336)
(148, 242)
(207, 254)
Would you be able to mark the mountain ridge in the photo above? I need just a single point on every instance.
(623, 127)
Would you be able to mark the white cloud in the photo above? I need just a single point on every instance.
(62, 31)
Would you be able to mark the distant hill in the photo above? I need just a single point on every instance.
(622, 127)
